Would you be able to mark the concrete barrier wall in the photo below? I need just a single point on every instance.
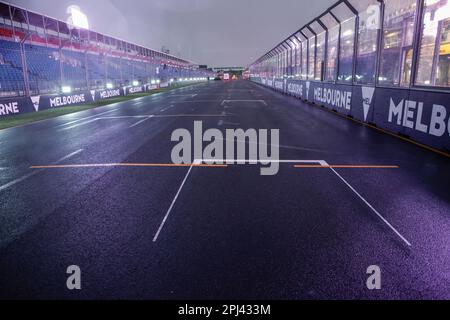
(14, 106)
(422, 115)
(21, 105)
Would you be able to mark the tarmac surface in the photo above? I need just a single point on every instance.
(161, 232)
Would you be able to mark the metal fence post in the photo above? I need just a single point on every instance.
(24, 65)
(380, 45)
(417, 42)
(86, 69)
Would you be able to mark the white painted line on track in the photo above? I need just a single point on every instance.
(70, 155)
(141, 121)
(181, 95)
(140, 117)
(190, 116)
(79, 124)
(260, 101)
(167, 108)
(25, 177)
(165, 116)
(78, 120)
(372, 208)
(10, 184)
(265, 161)
(226, 123)
(173, 202)
(276, 145)
(127, 117)
(241, 90)
(196, 101)
(197, 162)
(322, 163)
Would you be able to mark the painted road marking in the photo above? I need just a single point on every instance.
(259, 101)
(371, 207)
(107, 165)
(29, 175)
(265, 161)
(167, 108)
(225, 123)
(241, 90)
(172, 205)
(275, 145)
(196, 163)
(139, 122)
(143, 116)
(163, 116)
(196, 101)
(10, 184)
(70, 155)
(183, 95)
(346, 167)
(188, 115)
(199, 162)
(225, 114)
(323, 164)
(127, 117)
(78, 120)
(79, 124)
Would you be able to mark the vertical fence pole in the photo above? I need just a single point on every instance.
(86, 69)
(24, 68)
(380, 40)
(420, 8)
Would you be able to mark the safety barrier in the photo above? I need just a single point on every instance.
(21, 105)
(423, 116)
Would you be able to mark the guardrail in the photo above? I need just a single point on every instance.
(421, 115)
(20, 105)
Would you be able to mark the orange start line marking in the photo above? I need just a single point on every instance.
(345, 167)
(100, 165)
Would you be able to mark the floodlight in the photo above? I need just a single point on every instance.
(77, 18)
(66, 89)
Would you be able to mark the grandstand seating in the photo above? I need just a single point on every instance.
(40, 55)
(11, 75)
(49, 68)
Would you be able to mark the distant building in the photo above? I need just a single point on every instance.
(165, 50)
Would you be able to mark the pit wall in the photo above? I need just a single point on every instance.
(21, 105)
(421, 115)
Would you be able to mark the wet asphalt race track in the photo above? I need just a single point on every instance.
(230, 233)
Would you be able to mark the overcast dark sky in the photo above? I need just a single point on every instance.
(213, 32)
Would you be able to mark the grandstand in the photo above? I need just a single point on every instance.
(40, 55)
